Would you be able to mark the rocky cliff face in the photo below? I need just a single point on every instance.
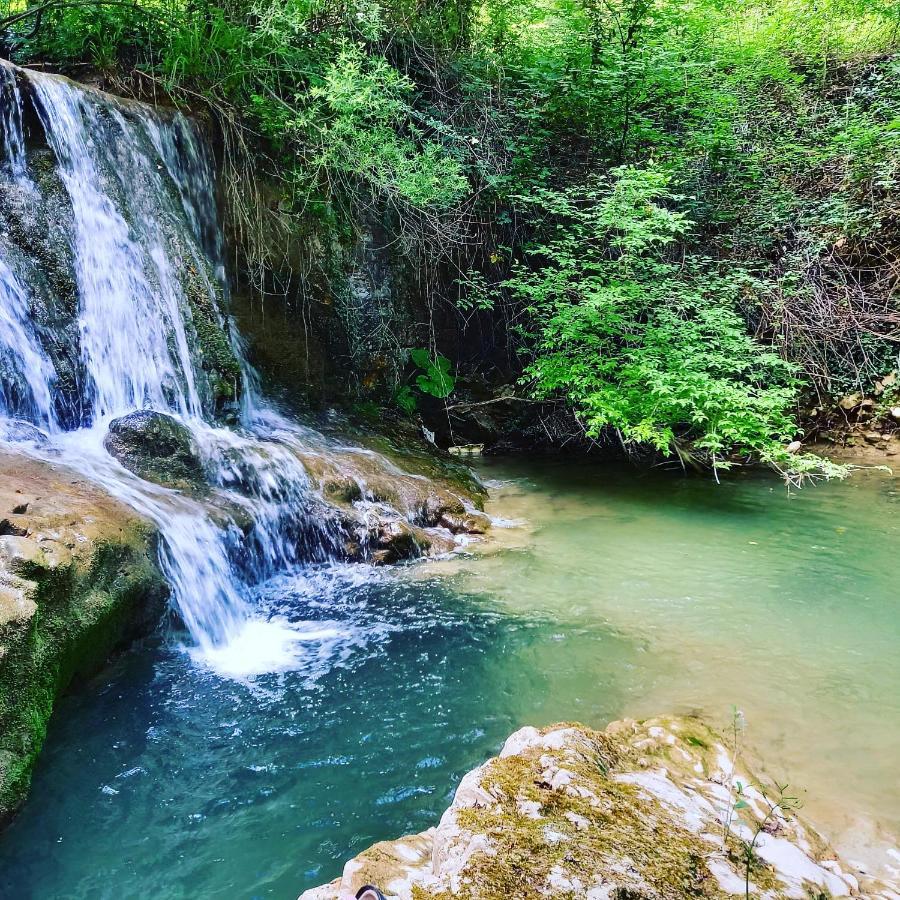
(639, 811)
(78, 578)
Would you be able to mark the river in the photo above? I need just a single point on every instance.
(610, 592)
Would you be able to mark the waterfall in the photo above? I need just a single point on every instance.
(13, 145)
(133, 339)
(146, 258)
(26, 393)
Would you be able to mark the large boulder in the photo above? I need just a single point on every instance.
(641, 811)
(78, 577)
(156, 447)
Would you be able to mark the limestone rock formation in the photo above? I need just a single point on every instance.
(78, 577)
(639, 811)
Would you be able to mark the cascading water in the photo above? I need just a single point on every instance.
(11, 119)
(27, 393)
(133, 339)
(141, 226)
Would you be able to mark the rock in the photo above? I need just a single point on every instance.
(78, 577)
(895, 413)
(392, 514)
(393, 539)
(640, 813)
(872, 437)
(18, 432)
(850, 402)
(466, 449)
(794, 447)
(465, 523)
(156, 447)
(20, 555)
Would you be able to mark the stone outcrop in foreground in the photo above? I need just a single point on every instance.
(636, 812)
(78, 578)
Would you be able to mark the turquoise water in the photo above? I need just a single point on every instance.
(621, 593)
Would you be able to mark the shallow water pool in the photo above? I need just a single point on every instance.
(619, 593)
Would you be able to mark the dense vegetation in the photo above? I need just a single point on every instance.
(684, 215)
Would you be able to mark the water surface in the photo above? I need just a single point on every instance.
(623, 593)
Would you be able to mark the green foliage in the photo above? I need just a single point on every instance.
(405, 399)
(651, 346)
(684, 214)
(435, 378)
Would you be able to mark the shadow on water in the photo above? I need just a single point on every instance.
(162, 779)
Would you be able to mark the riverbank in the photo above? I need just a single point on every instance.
(78, 578)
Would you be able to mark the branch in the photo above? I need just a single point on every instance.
(495, 400)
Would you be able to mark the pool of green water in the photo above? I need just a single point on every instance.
(612, 593)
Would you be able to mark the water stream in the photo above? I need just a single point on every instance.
(620, 594)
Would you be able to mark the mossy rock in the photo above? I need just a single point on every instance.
(78, 578)
(640, 811)
(157, 448)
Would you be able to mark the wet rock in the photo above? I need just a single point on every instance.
(394, 539)
(156, 447)
(78, 577)
(392, 514)
(642, 809)
(465, 523)
(872, 437)
(17, 431)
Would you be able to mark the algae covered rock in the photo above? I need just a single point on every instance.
(156, 447)
(640, 811)
(78, 578)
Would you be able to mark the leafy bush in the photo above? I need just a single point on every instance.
(435, 378)
(641, 342)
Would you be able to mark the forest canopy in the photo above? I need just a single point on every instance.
(685, 214)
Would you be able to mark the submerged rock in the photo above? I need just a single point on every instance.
(156, 447)
(637, 812)
(78, 577)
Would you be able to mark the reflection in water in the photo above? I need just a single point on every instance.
(623, 594)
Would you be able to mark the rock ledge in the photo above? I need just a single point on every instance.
(636, 811)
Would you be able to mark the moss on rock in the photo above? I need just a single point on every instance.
(158, 448)
(78, 578)
(640, 811)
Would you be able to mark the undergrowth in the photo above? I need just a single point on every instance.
(681, 218)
